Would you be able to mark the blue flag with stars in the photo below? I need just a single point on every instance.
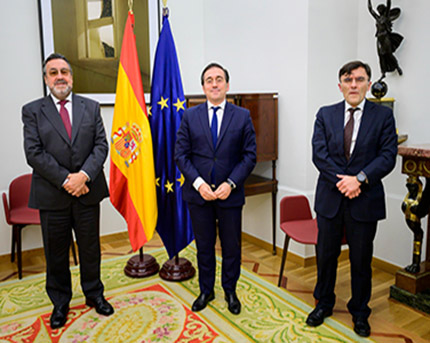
(167, 108)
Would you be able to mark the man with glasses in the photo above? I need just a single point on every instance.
(354, 146)
(65, 144)
(216, 151)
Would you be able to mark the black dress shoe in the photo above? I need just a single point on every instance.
(361, 326)
(59, 316)
(201, 301)
(316, 317)
(233, 302)
(101, 305)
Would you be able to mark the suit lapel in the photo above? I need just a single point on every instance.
(204, 122)
(338, 125)
(226, 119)
(78, 114)
(50, 112)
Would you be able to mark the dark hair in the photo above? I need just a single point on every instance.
(350, 66)
(56, 56)
(214, 65)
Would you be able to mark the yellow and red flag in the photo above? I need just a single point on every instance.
(132, 176)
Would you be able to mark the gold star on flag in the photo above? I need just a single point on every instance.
(179, 105)
(169, 186)
(157, 182)
(181, 180)
(149, 110)
(163, 102)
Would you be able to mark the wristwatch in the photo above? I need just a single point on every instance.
(362, 177)
(231, 184)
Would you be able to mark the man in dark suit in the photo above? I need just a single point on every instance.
(65, 144)
(216, 151)
(354, 147)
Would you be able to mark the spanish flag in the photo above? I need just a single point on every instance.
(132, 175)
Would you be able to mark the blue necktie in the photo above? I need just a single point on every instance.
(214, 125)
(214, 131)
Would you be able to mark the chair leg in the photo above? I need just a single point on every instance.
(284, 257)
(72, 247)
(12, 250)
(19, 250)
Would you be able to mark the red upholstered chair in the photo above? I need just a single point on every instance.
(297, 223)
(19, 215)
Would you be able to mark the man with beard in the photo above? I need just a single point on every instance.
(65, 144)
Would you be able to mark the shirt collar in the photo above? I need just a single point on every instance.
(222, 105)
(56, 100)
(360, 105)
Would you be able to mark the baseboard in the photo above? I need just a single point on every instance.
(301, 261)
(39, 251)
(385, 266)
(309, 261)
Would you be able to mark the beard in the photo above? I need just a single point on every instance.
(61, 92)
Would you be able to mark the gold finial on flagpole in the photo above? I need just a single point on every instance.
(130, 6)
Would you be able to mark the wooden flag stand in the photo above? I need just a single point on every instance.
(142, 265)
(177, 269)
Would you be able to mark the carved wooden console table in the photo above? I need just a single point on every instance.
(414, 288)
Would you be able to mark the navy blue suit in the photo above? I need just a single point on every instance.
(233, 158)
(375, 154)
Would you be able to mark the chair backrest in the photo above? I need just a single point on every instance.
(295, 207)
(19, 191)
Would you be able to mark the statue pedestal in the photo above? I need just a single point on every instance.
(414, 289)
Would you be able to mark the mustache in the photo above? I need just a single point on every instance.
(60, 82)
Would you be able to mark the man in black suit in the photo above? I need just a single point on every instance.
(216, 151)
(354, 147)
(65, 144)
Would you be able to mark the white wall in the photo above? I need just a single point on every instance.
(292, 47)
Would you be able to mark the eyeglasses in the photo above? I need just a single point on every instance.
(349, 80)
(62, 71)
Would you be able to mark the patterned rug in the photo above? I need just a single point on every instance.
(152, 310)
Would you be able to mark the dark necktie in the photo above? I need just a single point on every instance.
(347, 132)
(65, 117)
(214, 131)
(214, 125)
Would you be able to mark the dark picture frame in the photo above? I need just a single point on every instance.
(89, 33)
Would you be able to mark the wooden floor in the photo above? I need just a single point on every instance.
(391, 321)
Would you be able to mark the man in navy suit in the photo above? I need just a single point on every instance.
(65, 144)
(216, 151)
(354, 146)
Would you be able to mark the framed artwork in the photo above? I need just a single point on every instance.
(89, 33)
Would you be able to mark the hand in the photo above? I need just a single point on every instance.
(75, 184)
(223, 191)
(348, 186)
(206, 192)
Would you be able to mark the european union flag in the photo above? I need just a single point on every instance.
(167, 108)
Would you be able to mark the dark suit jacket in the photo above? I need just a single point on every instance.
(233, 158)
(53, 156)
(374, 154)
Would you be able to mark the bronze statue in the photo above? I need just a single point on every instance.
(387, 41)
(413, 211)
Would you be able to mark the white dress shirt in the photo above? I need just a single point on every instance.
(357, 121)
(219, 113)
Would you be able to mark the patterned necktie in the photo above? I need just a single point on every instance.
(214, 125)
(65, 117)
(347, 133)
